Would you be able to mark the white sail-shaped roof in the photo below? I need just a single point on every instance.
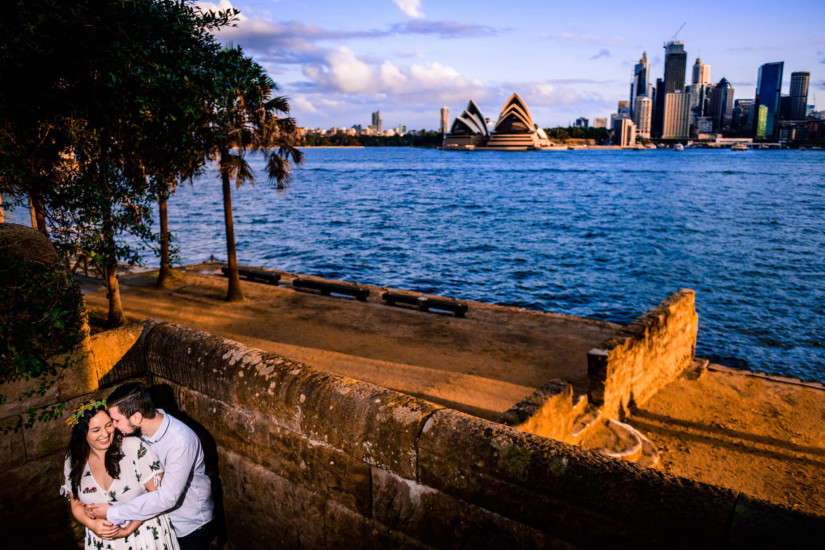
(515, 117)
(471, 121)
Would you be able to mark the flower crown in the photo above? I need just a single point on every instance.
(81, 410)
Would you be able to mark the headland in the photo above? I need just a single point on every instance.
(759, 435)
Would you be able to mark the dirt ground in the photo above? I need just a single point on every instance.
(763, 437)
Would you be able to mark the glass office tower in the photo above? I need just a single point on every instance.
(768, 92)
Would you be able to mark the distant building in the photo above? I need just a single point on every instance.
(445, 120)
(639, 83)
(784, 107)
(703, 125)
(642, 116)
(377, 123)
(721, 106)
(600, 122)
(673, 81)
(624, 133)
(768, 93)
(582, 122)
(514, 130)
(799, 94)
(468, 130)
(741, 119)
(701, 73)
(675, 66)
(677, 116)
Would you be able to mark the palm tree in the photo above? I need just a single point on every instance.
(250, 120)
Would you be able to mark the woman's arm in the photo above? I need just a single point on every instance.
(100, 527)
(132, 525)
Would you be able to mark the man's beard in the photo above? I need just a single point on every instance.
(135, 432)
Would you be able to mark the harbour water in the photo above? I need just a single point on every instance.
(598, 234)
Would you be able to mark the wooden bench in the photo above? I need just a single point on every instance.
(426, 304)
(255, 275)
(327, 288)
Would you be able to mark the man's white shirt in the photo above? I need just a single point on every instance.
(185, 492)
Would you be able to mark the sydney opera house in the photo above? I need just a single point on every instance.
(514, 131)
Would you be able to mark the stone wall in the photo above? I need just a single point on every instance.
(644, 356)
(550, 412)
(307, 459)
(32, 512)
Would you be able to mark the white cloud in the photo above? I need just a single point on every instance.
(301, 103)
(391, 77)
(410, 7)
(343, 71)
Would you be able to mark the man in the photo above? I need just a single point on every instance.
(186, 492)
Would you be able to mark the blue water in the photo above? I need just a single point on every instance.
(599, 234)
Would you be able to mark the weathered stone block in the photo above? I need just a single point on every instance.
(644, 356)
(16, 404)
(191, 358)
(547, 412)
(321, 468)
(12, 448)
(50, 525)
(346, 529)
(434, 517)
(120, 355)
(758, 524)
(543, 483)
(33, 484)
(263, 510)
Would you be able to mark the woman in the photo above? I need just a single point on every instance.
(103, 466)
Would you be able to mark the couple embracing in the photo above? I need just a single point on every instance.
(135, 476)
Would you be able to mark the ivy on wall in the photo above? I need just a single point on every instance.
(41, 323)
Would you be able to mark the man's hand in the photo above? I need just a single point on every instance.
(104, 529)
(98, 510)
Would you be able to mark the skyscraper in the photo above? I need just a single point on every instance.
(721, 106)
(701, 73)
(677, 116)
(675, 66)
(768, 92)
(799, 94)
(377, 123)
(639, 85)
(445, 120)
(642, 114)
(674, 81)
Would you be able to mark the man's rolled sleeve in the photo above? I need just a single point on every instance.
(179, 465)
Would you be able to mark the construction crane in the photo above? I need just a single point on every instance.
(676, 33)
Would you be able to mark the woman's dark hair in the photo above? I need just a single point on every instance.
(79, 449)
(131, 398)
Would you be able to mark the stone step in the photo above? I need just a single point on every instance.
(619, 440)
(588, 418)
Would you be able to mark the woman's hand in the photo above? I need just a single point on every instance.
(104, 529)
(128, 530)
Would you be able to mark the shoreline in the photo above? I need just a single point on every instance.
(755, 434)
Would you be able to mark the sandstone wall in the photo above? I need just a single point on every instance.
(550, 412)
(306, 459)
(644, 356)
(32, 512)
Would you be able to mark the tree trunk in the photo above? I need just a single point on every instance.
(38, 213)
(165, 262)
(116, 318)
(2, 218)
(234, 293)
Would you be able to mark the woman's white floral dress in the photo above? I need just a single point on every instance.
(138, 465)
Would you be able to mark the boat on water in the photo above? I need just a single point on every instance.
(739, 147)
(678, 147)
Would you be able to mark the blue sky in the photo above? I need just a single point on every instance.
(339, 61)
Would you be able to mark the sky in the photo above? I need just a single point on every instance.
(338, 62)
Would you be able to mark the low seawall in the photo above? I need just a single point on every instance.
(307, 459)
(644, 356)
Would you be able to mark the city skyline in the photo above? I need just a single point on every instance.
(408, 58)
